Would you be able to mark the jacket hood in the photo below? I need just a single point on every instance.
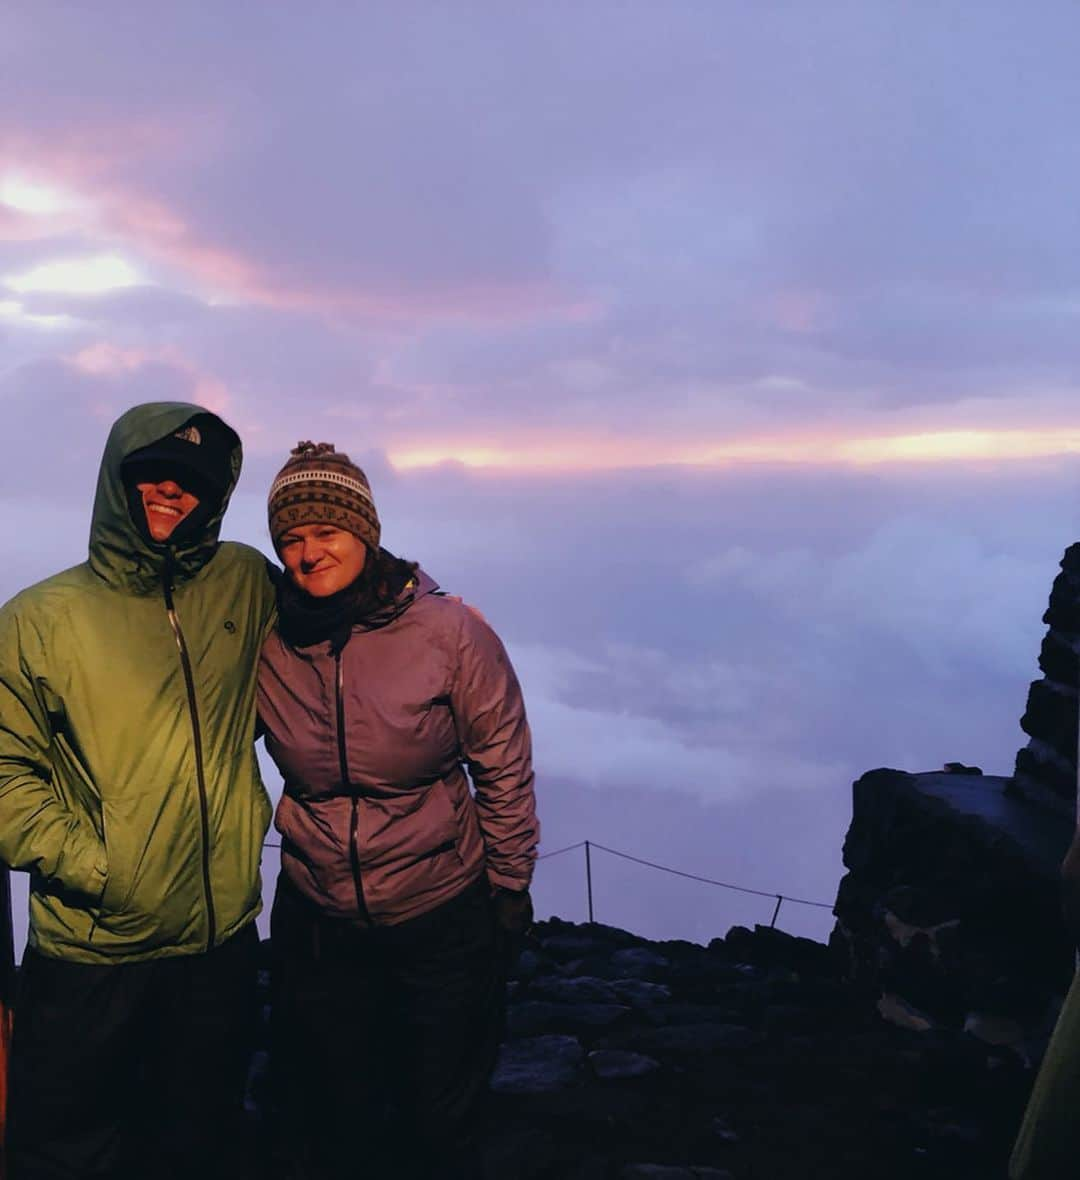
(119, 553)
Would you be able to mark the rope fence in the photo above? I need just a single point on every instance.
(589, 845)
(560, 851)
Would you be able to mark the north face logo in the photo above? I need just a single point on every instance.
(189, 434)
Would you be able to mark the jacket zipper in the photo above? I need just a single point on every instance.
(200, 775)
(343, 761)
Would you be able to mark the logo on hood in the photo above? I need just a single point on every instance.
(189, 434)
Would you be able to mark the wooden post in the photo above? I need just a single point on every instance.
(588, 878)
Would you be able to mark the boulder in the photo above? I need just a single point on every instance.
(538, 1065)
(612, 1064)
(575, 990)
(950, 903)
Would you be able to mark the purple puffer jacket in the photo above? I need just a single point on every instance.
(377, 820)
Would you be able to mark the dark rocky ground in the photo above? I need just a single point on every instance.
(749, 1059)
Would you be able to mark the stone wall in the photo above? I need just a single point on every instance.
(1046, 767)
(948, 916)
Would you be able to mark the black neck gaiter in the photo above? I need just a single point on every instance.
(304, 620)
(371, 601)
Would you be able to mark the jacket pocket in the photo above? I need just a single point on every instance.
(74, 783)
(117, 891)
(121, 925)
(410, 828)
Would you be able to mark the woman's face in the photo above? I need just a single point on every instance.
(320, 559)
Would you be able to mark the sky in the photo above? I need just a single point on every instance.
(724, 354)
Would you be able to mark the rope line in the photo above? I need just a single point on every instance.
(560, 851)
(570, 847)
(708, 880)
(664, 869)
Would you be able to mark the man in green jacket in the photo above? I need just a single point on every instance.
(130, 791)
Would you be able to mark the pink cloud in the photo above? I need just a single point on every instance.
(108, 360)
(113, 210)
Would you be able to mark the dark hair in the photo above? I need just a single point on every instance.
(382, 579)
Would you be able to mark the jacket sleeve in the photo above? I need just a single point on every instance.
(497, 747)
(38, 831)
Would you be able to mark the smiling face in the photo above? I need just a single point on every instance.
(321, 559)
(166, 504)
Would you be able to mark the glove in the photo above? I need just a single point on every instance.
(513, 911)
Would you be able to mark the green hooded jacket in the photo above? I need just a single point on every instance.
(129, 786)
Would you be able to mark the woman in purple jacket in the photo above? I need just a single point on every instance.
(400, 887)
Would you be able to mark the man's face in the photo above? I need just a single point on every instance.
(166, 503)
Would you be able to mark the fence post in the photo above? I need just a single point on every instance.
(779, 899)
(588, 877)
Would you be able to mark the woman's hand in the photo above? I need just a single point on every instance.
(513, 911)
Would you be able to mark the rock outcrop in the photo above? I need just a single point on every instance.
(1046, 767)
(948, 916)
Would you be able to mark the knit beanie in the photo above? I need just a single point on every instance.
(319, 485)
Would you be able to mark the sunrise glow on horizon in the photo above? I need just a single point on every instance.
(604, 455)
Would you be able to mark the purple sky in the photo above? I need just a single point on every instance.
(724, 354)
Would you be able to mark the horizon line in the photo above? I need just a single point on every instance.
(910, 449)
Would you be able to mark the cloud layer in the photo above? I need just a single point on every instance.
(495, 227)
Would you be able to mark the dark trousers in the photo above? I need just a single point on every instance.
(384, 1039)
(133, 1070)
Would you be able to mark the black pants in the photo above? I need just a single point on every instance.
(384, 1039)
(134, 1070)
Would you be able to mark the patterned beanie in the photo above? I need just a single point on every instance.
(319, 485)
